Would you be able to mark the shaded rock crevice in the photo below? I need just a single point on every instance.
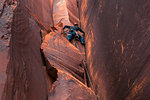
(51, 71)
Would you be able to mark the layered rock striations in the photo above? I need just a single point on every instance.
(117, 45)
(30, 74)
(25, 75)
(117, 50)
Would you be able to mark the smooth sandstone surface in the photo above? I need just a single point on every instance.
(73, 11)
(25, 75)
(60, 12)
(117, 51)
(118, 38)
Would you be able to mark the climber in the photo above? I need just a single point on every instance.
(74, 34)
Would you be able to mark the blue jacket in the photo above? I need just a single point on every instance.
(73, 28)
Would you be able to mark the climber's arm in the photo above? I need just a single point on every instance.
(83, 33)
(66, 26)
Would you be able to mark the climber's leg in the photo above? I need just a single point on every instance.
(81, 40)
(69, 37)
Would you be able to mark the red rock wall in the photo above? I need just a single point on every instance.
(6, 14)
(118, 45)
(73, 11)
(42, 9)
(60, 12)
(25, 75)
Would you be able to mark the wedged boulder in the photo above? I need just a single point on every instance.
(63, 54)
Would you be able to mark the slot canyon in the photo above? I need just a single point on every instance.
(37, 62)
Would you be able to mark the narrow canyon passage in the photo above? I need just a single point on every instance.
(63, 71)
(43, 65)
(67, 58)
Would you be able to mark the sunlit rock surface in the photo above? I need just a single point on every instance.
(73, 11)
(63, 53)
(60, 12)
(118, 56)
(117, 50)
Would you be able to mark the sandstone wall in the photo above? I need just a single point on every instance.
(118, 39)
(25, 75)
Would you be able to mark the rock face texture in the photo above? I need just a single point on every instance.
(118, 45)
(67, 58)
(73, 11)
(64, 54)
(68, 87)
(117, 50)
(25, 75)
(26, 79)
(60, 12)
(6, 13)
(1, 6)
(68, 61)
